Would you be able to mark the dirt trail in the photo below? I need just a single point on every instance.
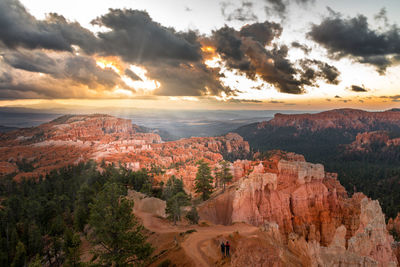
(197, 243)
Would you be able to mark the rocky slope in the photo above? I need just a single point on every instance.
(363, 147)
(338, 118)
(370, 141)
(31, 152)
(308, 212)
(327, 130)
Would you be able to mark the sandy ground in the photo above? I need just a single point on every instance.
(201, 246)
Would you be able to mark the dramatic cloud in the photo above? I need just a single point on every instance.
(20, 29)
(245, 50)
(353, 37)
(57, 58)
(315, 69)
(264, 32)
(356, 88)
(137, 38)
(80, 69)
(187, 80)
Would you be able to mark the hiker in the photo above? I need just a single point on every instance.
(227, 247)
(223, 249)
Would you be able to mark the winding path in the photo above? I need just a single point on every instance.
(195, 244)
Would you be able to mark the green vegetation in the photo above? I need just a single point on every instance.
(193, 216)
(42, 222)
(174, 205)
(176, 198)
(204, 180)
(115, 230)
(25, 166)
(224, 175)
(377, 180)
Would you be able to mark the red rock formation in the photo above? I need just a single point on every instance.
(365, 141)
(338, 118)
(71, 139)
(393, 225)
(312, 212)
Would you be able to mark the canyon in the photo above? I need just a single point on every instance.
(278, 209)
(69, 139)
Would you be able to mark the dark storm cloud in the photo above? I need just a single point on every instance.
(174, 59)
(228, 43)
(20, 29)
(60, 68)
(356, 88)
(17, 86)
(137, 38)
(245, 50)
(30, 61)
(133, 34)
(353, 37)
(315, 69)
(187, 80)
(244, 12)
(81, 69)
(264, 32)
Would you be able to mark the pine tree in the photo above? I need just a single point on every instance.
(225, 173)
(174, 205)
(20, 255)
(173, 187)
(204, 180)
(115, 230)
(71, 248)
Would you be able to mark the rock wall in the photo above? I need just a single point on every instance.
(338, 118)
(315, 218)
(147, 204)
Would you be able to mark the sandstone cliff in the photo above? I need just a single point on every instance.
(338, 118)
(313, 216)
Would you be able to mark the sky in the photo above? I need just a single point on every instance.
(188, 54)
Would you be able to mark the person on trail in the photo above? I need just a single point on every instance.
(227, 247)
(223, 249)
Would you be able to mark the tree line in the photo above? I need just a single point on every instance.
(43, 221)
